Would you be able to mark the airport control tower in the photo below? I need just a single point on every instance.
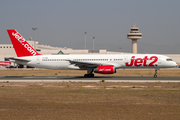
(134, 35)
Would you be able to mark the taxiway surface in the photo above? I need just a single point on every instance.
(82, 79)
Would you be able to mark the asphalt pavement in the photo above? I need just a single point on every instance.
(82, 79)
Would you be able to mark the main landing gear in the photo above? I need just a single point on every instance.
(89, 73)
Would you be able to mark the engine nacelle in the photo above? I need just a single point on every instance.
(105, 69)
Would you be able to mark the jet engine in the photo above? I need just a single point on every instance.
(105, 69)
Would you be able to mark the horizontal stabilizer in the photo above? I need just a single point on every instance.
(18, 59)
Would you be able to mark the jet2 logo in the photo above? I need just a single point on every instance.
(143, 61)
(18, 37)
(24, 43)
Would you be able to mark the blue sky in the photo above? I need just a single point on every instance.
(62, 23)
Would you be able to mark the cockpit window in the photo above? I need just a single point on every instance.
(168, 59)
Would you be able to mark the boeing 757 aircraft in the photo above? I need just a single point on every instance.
(99, 63)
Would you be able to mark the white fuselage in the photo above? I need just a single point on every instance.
(118, 60)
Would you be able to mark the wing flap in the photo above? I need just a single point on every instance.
(81, 64)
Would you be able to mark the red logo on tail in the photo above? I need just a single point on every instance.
(21, 46)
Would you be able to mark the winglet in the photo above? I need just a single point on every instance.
(21, 46)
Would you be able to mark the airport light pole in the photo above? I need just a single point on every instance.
(120, 49)
(34, 36)
(93, 42)
(85, 40)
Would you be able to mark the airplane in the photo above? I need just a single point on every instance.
(97, 63)
(5, 63)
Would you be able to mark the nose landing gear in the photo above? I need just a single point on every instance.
(155, 75)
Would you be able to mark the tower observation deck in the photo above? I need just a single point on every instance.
(134, 35)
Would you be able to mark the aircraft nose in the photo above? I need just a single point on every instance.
(174, 64)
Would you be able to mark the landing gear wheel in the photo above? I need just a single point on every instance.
(92, 75)
(155, 76)
(88, 75)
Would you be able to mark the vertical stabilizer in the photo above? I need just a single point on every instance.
(21, 46)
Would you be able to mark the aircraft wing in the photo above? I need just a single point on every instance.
(18, 59)
(81, 64)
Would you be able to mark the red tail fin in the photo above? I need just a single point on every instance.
(21, 46)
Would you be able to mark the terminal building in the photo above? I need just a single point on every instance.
(7, 50)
